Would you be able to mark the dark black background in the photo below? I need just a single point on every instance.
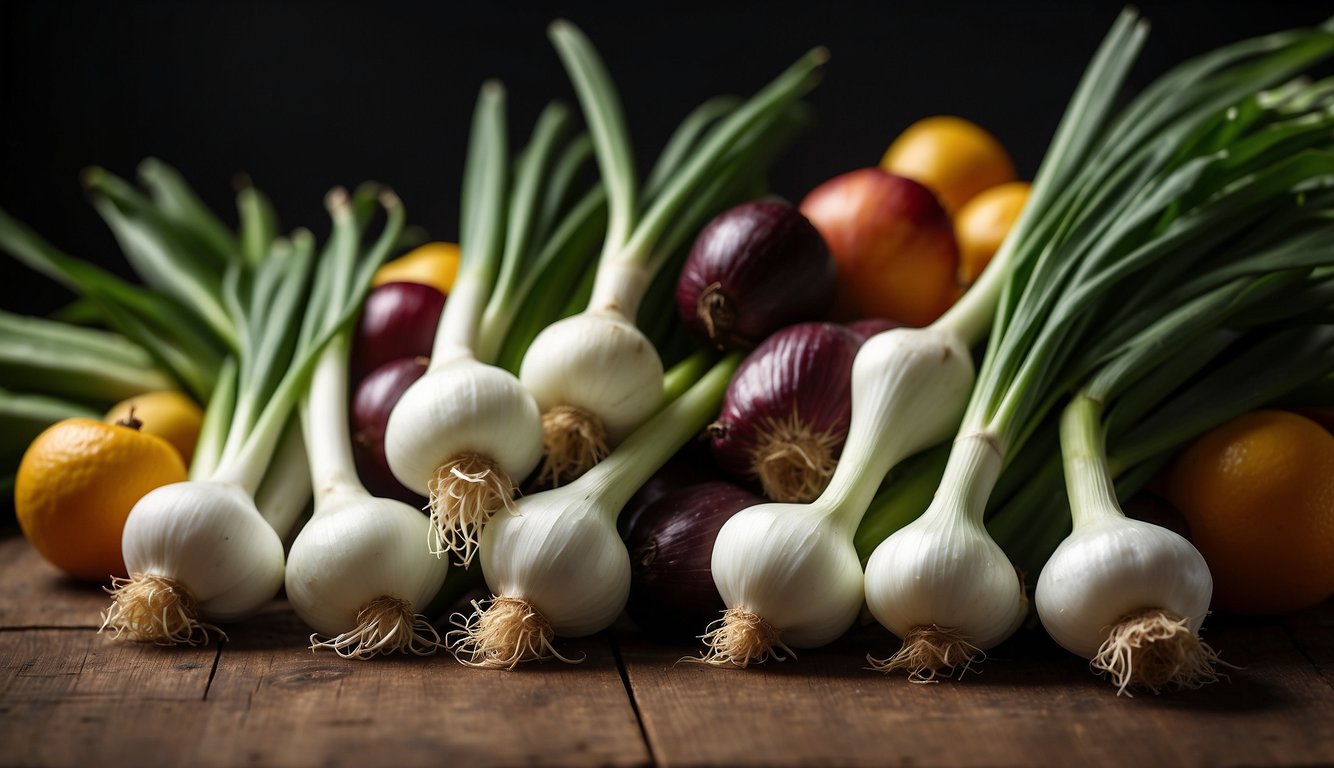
(306, 95)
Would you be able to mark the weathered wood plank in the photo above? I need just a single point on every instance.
(1032, 704)
(277, 703)
(1313, 634)
(71, 697)
(37, 594)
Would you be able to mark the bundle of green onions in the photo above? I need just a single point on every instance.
(1152, 188)
(1190, 185)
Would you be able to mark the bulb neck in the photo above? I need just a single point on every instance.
(1088, 478)
(619, 286)
(461, 319)
(971, 472)
(641, 454)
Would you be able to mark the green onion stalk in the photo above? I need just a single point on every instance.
(202, 552)
(1163, 190)
(595, 375)
(558, 566)
(790, 574)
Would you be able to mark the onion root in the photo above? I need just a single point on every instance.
(793, 463)
(502, 634)
(574, 440)
(740, 638)
(465, 492)
(930, 653)
(385, 625)
(1155, 649)
(156, 609)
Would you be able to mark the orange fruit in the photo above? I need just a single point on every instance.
(956, 159)
(172, 416)
(76, 484)
(982, 224)
(1258, 496)
(433, 264)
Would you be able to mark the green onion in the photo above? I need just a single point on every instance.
(201, 551)
(595, 375)
(1158, 194)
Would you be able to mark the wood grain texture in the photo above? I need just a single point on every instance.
(1031, 704)
(274, 702)
(71, 697)
(37, 594)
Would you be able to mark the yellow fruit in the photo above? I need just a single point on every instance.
(954, 158)
(76, 484)
(433, 264)
(982, 224)
(1258, 496)
(172, 416)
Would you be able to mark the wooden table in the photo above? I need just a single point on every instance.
(69, 696)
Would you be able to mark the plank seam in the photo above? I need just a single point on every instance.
(1301, 650)
(634, 702)
(212, 673)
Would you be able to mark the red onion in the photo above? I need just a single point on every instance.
(754, 269)
(671, 546)
(398, 320)
(371, 403)
(871, 326)
(691, 465)
(786, 412)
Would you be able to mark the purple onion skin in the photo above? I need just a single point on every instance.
(800, 375)
(754, 269)
(672, 593)
(691, 465)
(872, 326)
(398, 320)
(372, 401)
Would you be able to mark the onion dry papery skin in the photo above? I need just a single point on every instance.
(397, 320)
(357, 573)
(789, 573)
(787, 411)
(557, 566)
(372, 402)
(466, 432)
(595, 375)
(671, 544)
(756, 268)
(201, 551)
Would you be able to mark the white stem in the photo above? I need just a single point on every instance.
(285, 490)
(971, 316)
(456, 334)
(971, 472)
(620, 285)
(854, 483)
(328, 440)
(1088, 482)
